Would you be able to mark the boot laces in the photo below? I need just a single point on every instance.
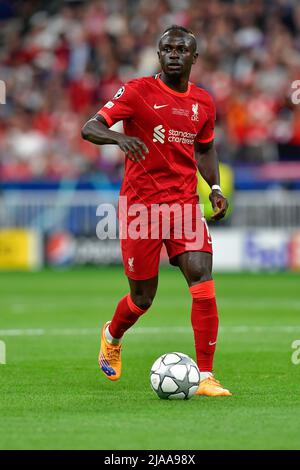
(113, 353)
(214, 380)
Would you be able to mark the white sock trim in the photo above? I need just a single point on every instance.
(205, 375)
(110, 338)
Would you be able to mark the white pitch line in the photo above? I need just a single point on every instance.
(147, 330)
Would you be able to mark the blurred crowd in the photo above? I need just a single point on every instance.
(62, 60)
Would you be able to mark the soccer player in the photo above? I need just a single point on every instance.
(168, 133)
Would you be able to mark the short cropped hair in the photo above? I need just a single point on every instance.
(175, 28)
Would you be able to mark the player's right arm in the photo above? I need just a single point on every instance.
(96, 129)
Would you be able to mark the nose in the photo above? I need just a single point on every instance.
(174, 53)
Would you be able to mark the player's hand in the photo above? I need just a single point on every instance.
(219, 204)
(134, 148)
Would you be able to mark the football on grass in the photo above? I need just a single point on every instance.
(174, 375)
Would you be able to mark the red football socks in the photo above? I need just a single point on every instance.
(205, 323)
(126, 314)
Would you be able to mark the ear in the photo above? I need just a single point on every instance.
(158, 53)
(195, 57)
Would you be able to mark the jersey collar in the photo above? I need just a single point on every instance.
(173, 92)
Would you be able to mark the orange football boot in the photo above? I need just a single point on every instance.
(109, 358)
(211, 387)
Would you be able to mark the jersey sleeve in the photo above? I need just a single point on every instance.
(120, 107)
(207, 132)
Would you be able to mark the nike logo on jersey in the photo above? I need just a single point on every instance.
(212, 343)
(158, 106)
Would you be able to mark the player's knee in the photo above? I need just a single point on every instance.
(200, 275)
(144, 302)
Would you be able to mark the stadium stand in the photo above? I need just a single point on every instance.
(62, 60)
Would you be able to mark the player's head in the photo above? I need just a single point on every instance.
(177, 51)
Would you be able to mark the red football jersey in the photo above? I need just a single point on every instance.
(169, 123)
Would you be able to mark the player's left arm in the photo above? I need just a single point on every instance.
(208, 165)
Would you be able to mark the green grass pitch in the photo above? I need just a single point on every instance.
(52, 395)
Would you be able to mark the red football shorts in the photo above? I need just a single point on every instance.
(181, 228)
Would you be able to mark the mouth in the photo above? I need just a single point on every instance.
(174, 66)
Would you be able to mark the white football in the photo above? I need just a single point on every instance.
(174, 375)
